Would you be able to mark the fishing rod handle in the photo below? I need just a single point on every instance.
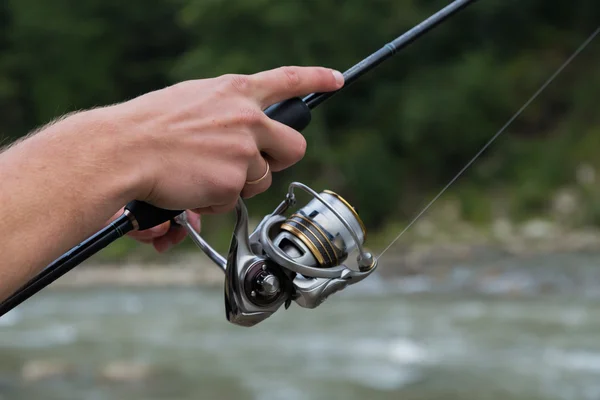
(147, 216)
(292, 112)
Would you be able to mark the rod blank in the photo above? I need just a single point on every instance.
(387, 51)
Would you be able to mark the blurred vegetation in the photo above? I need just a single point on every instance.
(389, 142)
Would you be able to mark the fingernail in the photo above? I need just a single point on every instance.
(339, 77)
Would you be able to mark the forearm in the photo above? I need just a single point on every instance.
(56, 188)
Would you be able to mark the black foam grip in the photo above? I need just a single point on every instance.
(292, 112)
(148, 215)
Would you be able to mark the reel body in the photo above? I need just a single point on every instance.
(297, 258)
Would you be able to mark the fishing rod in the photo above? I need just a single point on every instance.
(298, 258)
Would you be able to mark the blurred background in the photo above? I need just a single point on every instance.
(493, 294)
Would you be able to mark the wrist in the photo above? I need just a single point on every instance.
(97, 150)
(120, 152)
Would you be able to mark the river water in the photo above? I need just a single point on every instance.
(405, 339)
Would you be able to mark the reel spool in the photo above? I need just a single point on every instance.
(315, 236)
(297, 258)
(316, 240)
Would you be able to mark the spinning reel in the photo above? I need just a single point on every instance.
(297, 258)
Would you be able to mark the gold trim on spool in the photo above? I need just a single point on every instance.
(337, 260)
(319, 240)
(304, 239)
(352, 210)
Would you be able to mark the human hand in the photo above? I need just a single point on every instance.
(196, 144)
(164, 236)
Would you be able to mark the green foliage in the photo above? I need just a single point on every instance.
(388, 142)
(475, 206)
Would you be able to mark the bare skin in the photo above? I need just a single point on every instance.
(190, 146)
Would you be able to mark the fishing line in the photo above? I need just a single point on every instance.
(493, 139)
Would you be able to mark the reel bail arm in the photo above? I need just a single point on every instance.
(218, 259)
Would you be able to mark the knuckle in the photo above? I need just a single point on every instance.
(230, 187)
(239, 83)
(247, 148)
(292, 76)
(250, 117)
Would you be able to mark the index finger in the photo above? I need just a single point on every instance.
(282, 83)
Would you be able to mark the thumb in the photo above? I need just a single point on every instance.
(280, 84)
